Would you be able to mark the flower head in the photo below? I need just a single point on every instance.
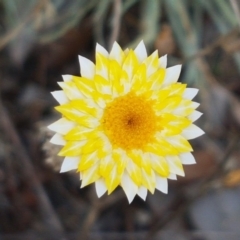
(126, 121)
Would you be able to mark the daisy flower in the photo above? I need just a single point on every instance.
(126, 122)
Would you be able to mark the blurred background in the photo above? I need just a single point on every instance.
(39, 41)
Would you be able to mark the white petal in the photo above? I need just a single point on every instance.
(100, 187)
(60, 96)
(195, 105)
(62, 126)
(187, 158)
(192, 132)
(69, 163)
(67, 78)
(194, 116)
(161, 184)
(129, 187)
(172, 176)
(141, 52)
(116, 53)
(102, 50)
(163, 61)
(57, 139)
(142, 192)
(172, 75)
(190, 93)
(87, 67)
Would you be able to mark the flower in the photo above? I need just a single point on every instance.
(126, 121)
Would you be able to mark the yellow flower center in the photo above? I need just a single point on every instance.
(130, 122)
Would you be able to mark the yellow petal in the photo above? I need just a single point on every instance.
(152, 63)
(86, 106)
(155, 80)
(130, 64)
(139, 79)
(106, 165)
(176, 89)
(72, 149)
(136, 157)
(146, 163)
(120, 161)
(87, 161)
(161, 147)
(175, 165)
(149, 180)
(134, 172)
(90, 175)
(113, 179)
(71, 90)
(172, 124)
(179, 143)
(160, 165)
(76, 116)
(102, 85)
(115, 72)
(185, 108)
(84, 85)
(102, 65)
(168, 105)
(80, 133)
(92, 145)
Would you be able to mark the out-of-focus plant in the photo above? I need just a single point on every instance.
(47, 20)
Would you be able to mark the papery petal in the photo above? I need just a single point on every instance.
(87, 67)
(192, 132)
(69, 163)
(57, 139)
(163, 61)
(117, 53)
(190, 93)
(172, 74)
(142, 192)
(187, 158)
(102, 50)
(67, 78)
(62, 126)
(100, 187)
(172, 176)
(194, 116)
(60, 97)
(161, 184)
(141, 52)
(129, 187)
